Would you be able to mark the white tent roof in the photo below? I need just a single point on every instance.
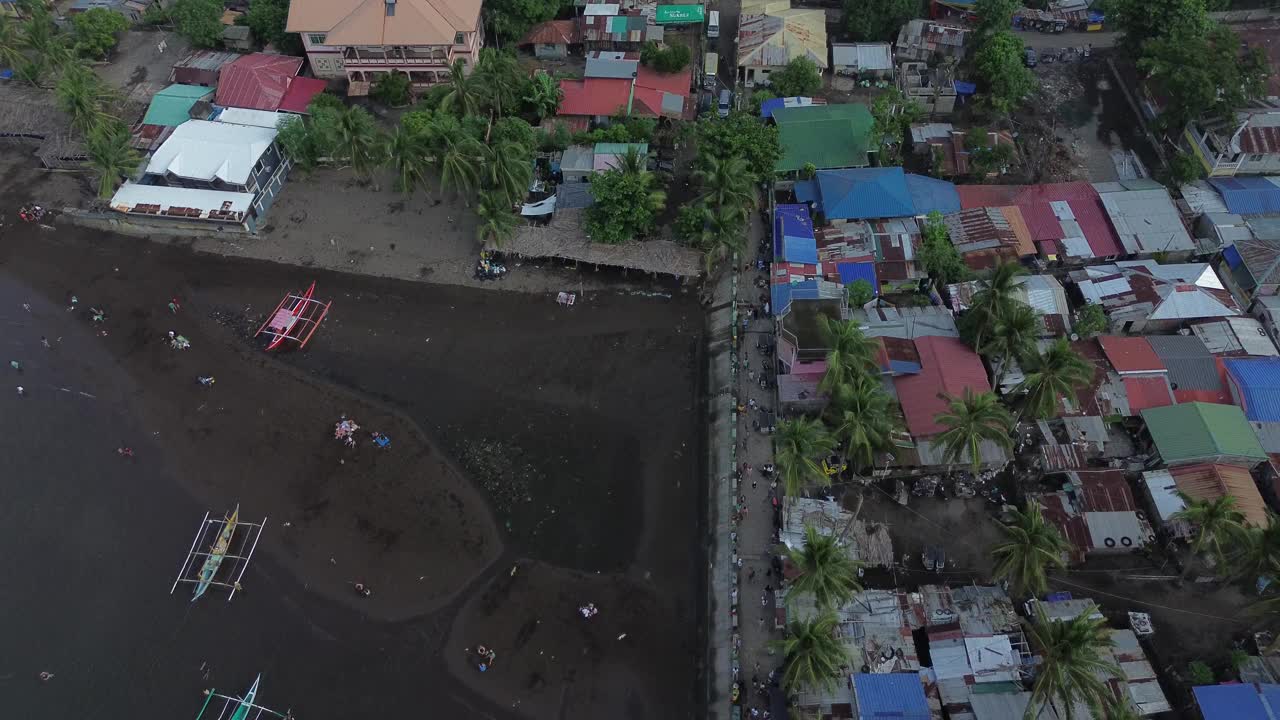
(203, 150)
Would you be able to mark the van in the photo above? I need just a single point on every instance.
(710, 66)
(726, 98)
(713, 24)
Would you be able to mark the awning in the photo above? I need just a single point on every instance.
(542, 207)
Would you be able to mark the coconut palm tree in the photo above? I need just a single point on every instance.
(1121, 710)
(826, 570)
(727, 182)
(464, 96)
(82, 96)
(10, 42)
(633, 162)
(801, 444)
(851, 353)
(359, 141)
(110, 155)
(408, 153)
(723, 234)
(864, 419)
(1030, 547)
(508, 169)
(971, 419)
(462, 164)
(814, 655)
(1260, 550)
(499, 77)
(995, 295)
(1012, 339)
(544, 95)
(1074, 664)
(1056, 373)
(497, 219)
(1217, 522)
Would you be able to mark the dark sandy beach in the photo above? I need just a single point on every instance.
(561, 443)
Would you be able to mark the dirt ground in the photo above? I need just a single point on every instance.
(139, 67)
(579, 429)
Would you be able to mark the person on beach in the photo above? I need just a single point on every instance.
(205, 380)
(21, 391)
(124, 452)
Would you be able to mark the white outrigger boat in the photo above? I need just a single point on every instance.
(241, 708)
(220, 534)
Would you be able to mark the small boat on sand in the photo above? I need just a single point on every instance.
(216, 555)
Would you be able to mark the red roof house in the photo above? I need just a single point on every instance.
(266, 82)
(1065, 219)
(947, 367)
(655, 95)
(1131, 354)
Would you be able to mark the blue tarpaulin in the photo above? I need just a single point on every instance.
(807, 191)
(851, 271)
(1232, 256)
(784, 293)
(965, 88)
(1230, 702)
(793, 239)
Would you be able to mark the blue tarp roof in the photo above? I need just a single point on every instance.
(1257, 382)
(1232, 256)
(865, 193)
(784, 293)
(965, 88)
(890, 695)
(793, 239)
(768, 106)
(929, 194)
(807, 191)
(1249, 195)
(1230, 702)
(850, 271)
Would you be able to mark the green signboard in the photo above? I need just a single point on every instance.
(675, 14)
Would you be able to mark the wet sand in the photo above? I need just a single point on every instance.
(567, 443)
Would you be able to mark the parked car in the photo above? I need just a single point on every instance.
(1029, 57)
(726, 101)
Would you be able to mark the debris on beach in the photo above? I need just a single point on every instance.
(15, 365)
(345, 430)
(178, 342)
(380, 440)
(589, 610)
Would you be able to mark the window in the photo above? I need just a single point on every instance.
(459, 38)
(316, 38)
(1255, 158)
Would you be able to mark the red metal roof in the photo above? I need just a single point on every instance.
(1105, 491)
(947, 368)
(553, 32)
(258, 81)
(1261, 140)
(1147, 391)
(301, 91)
(1034, 202)
(606, 96)
(1131, 354)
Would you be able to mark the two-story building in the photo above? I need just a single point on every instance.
(361, 40)
(1247, 145)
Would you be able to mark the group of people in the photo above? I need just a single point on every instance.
(31, 213)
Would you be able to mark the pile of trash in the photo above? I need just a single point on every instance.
(178, 342)
(345, 430)
(490, 266)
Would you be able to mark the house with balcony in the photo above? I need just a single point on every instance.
(1246, 145)
(362, 40)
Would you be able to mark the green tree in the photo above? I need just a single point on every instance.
(938, 255)
(110, 155)
(994, 16)
(994, 298)
(502, 83)
(543, 95)
(1090, 321)
(850, 353)
(1056, 373)
(359, 141)
(1217, 524)
(1139, 21)
(626, 206)
(511, 19)
(409, 155)
(824, 570)
(800, 78)
(1259, 553)
(95, 31)
(892, 115)
(1030, 547)
(970, 419)
(864, 419)
(497, 219)
(10, 42)
(1185, 168)
(669, 59)
(879, 20)
(1075, 662)
(801, 444)
(155, 14)
(690, 219)
(726, 183)
(1202, 74)
(392, 89)
(508, 170)
(465, 95)
(200, 21)
(1200, 673)
(999, 66)
(1012, 339)
(814, 655)
(461, 164)
(514, 131)
(720, 234)
(267, 20)
(859, 293)
(82, 96)
(741, 135)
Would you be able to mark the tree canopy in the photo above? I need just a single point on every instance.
(511, 19)
(1005, 79)
(626, 207)
(994, 16)
(1030, 547)
(800, 78)
(1202, 74)
(744, 136)
(938, 255)
(892, 116)
(879, 20)
(267, 19)
(665, 59)
(200, 21)
(95, 31)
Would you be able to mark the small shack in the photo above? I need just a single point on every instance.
(201, 67)
(237, 37)
(862, 60)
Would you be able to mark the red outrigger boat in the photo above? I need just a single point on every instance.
(294, 320)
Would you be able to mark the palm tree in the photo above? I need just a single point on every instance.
(508, 170)
(497, 221)
(723, 234)
(359, 141)
(1217, 523)
(111, 155)
(971, 419)
(1013, 338)
(81, 96)
(800, 445)
(1030, 547)
(826, 570)
(1260, 554)
(814, 655)
(544, 95)
(1119, 709)
(995, 295)
(727, 182)
(1075, 663)
(865, 419)
(463, 98)
(460, 167)
(633, 162)
(409, 155)
(10, 42)
(499, 78)
(1056, 373)
(851, 353)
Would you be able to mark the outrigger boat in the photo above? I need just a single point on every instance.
(216, 555)
(242, 708)
(295, 319)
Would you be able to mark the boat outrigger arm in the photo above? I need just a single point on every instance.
(241, 708)
(207, 564)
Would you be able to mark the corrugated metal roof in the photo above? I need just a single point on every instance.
(1195, 431)
(1164, 493)
(1236, 336)
(826, 136)
(862, 56)
(865, 193)
(1147, 391)
(1249, 195)
(948, 367)
(206, 60)
(1255, 385)
(131, 195)
(930, 194)
(1053, 212)
(890, 695)
(1147, 221)
(171, 106)
(1190, 365)
(1230, 702)
(1130, 354)
(992, 658)
(1209, 481)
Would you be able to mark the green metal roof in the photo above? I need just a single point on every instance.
(829, 136)
(171, 105)
(1194, 431)
(620, 148)
(668, 14)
